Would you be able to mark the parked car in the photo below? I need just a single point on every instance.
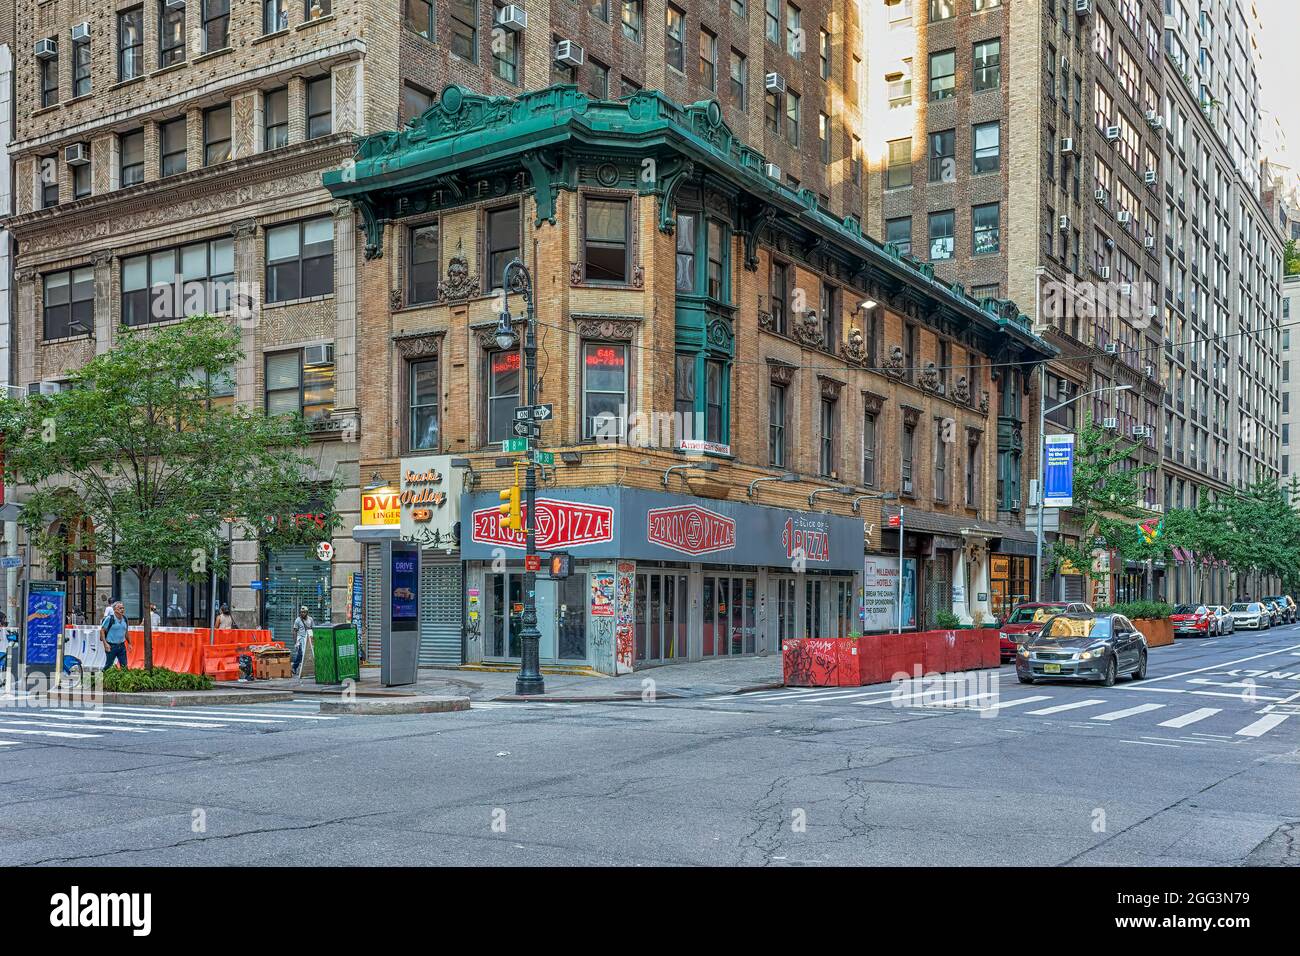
(1274, 613)
(1028, 619)
(1285, 605)
(1249, 614)
(1223, 617)
(1194, 620)
(1083, 646)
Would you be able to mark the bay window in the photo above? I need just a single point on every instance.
(605, 245)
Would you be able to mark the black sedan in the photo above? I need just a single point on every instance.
(1089, 647)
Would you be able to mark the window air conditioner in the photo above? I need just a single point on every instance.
(1112, 133)
(773, 171)
(80, 31)
(1110, 424)
(47, 48)
(318, 354)
(569, 53)
(1067, 145)
(513, 18)
(78, 154)
(774, 83)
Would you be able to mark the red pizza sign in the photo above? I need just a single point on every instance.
(813, 543)
(560, 524)
(690, 529)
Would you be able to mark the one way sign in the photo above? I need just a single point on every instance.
(534, 413)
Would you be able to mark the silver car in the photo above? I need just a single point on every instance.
(1224, 617)
(1251, 615)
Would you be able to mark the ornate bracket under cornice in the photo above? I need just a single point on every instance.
(372, 224)
(872, 403)
(830, 387)
(911, 416)
(753, 221)
(542, 169)
(418, 345)
(671, 174)
(779, 373)
(243, 228)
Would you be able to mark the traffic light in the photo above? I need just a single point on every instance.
(510, 515)
(561, 564)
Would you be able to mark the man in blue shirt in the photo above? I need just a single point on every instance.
(114, 630)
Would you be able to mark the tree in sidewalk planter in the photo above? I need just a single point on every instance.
(1107, 489)
(136, 447)
(1264, 530)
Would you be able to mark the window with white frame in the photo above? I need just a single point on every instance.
(604, 390)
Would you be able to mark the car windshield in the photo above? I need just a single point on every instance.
(1034, 615)
(1189, 609)
(1241, 607)
(1062, 627)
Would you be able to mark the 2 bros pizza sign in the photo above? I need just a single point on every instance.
(560, 524)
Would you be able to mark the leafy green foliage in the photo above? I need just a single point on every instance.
(137, 446)
(1133, 610)
(1291, 257)
(947, 621)
(119, 681)
(1107, 488)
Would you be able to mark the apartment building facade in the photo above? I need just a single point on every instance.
(1014, 145)
(1223, 276)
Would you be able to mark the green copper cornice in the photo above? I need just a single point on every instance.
(550, 133)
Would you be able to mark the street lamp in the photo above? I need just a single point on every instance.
(838, 489)
(874, 496)
(788, 478)
(693, 466)
(1042, 452)
(530, 679)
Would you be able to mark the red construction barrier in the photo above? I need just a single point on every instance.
(811, 662)
(990, 649)
(870, 666)
(968, 645)
(938, 649)
(900, 654)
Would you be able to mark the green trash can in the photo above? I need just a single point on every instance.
(347, 652)
(335, 653)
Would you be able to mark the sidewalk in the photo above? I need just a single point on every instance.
(696, 679)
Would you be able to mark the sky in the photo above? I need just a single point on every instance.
(1279, 83)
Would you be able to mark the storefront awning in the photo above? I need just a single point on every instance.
(918, 520)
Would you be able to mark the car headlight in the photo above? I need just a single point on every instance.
(1004, 635)
(1086, 656)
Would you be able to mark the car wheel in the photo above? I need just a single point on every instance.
(1025, 680)
(1108, 679)
(1140, 672)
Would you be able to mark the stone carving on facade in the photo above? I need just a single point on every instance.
(930, 377)
(961, 389)
(103, 257)
(243, 228)
(779, 373)
(830, 388)
(345, 105)
(418, 345)
(613, 330)
(911, 416)
(872, 403)
(984, 402)
(765, 320)
(895, 364)
(809, 331)
(855, 347)
(487, 335)
(394, 299)
(460, 283)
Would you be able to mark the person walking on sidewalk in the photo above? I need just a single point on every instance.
(302, 628)
(225, 620)
(114, 631)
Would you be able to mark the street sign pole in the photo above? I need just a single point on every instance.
(900, 569)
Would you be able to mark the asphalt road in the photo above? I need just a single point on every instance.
(1196, 765)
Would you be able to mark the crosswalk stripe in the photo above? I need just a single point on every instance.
(849, 696)
(1191, 717)
(1061, 708)
(150, 713)
(1004, 704)
(144, 721)
(1262, 726)
(1128, 712)
(41, 723)
(905, 701)
(48, 733)
(8, 743)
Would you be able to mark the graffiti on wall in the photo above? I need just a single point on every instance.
(625, 651)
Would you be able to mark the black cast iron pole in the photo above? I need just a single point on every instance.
(530, 679)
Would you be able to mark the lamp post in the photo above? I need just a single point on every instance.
(1042, 454)
(530, 679)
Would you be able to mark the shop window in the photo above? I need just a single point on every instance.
(464, 29)
(504, 370)
(69, 303)
(215, 15)
(172, 146)
(130, 44)
(869, 449)
(422, 264)
(300, 260)
(300, 382)
(827, 443)
(171, 34)
(422, 386)
(320, 109)
(275, 105)
(604, 391)
(776, 408)
(131, 155)
(502, 242)
(216, 135)
(685, 252)
(605, 245)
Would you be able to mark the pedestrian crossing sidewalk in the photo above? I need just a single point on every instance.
(31, 724)
(1096, 711)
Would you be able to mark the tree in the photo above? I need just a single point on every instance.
(137, 445)
(1291, 258)
(1106, 494)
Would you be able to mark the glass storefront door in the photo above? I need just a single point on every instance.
(728, 606)
(506, 615)
(661, 616)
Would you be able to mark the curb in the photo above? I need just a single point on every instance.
(404, 705)
(196, 698)
(634, 698)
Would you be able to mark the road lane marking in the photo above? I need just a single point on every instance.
(1003, 704)
(1148, 743)
(1262, 726)
(1221, 664)
(1191, 717)
(936, 706)
(41, 723)
(48, 733)
(147, 712)
(1129, 712)
(1059, 708)
(109, 718)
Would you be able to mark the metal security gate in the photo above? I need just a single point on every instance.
(295, 577)
(373, 611)
(938, 588)
(441, 600)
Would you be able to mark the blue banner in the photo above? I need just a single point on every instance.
(45, 602)
(1058, 473)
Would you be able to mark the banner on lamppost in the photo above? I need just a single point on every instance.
(1058, 472)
